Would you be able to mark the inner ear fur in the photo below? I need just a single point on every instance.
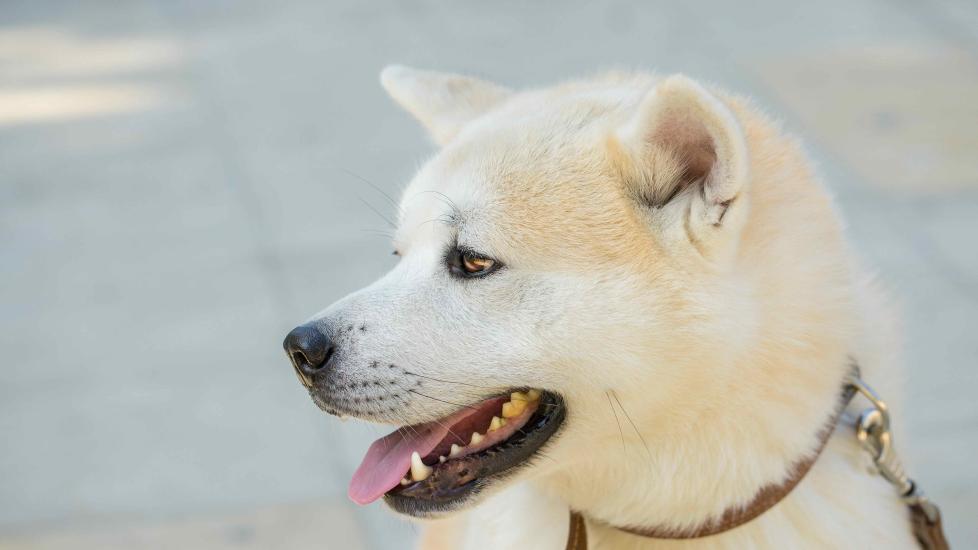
(684, 149)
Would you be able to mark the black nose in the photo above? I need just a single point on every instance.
(309, 350)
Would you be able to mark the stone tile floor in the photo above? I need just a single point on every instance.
(177, 191)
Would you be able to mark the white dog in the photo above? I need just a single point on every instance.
(628, 297)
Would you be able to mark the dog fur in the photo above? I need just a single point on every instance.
(674, 269)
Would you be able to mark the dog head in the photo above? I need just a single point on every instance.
(568, 248)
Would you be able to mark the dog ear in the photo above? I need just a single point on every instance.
(442, 102)
(684, 158)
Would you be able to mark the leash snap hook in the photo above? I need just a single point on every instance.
(873, 433)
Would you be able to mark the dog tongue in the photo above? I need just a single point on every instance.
(389, 458)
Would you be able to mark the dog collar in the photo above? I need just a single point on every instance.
(873, 432)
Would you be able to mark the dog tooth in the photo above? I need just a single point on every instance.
(518, 396)
(495, 424)
(456, 450)
(476, 438)
(513, 408)
(533, 395)
(419, 470)
(441, 459)
(405, 481)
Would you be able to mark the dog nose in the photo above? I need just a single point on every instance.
(310, 350)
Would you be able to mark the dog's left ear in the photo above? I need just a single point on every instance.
(443, 102)
(684, 159)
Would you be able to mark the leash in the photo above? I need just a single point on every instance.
(872, 432)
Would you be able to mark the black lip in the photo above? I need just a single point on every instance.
(458, 481)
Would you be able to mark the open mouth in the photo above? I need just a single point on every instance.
(435, 467)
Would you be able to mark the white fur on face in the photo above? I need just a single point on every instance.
(445, 341)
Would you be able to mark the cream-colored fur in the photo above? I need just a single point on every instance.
(674, 270)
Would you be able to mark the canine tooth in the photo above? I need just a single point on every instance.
(476, 438)
(405, 481)
(441, 459)
(513, 408)
(496, 423)
(533, 395)
(419, 470)
(456, 450)
(518, 396)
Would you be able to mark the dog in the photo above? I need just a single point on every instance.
(628, 297)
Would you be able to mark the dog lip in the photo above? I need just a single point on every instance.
(455, 483)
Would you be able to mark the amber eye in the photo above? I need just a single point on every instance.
(470, 264)
(474, 264)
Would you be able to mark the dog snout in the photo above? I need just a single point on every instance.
(310, 350)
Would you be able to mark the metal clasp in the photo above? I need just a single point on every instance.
(873, 432)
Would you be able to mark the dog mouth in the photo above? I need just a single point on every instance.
(437, 466)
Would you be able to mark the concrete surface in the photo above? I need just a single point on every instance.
(177, 190)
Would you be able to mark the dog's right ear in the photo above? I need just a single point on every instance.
(442, 102)
(684, 159)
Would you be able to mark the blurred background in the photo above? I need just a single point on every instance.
(181, 184)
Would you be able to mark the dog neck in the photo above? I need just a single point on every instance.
(765, 498)
(718, 472)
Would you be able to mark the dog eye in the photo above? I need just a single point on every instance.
(474, 264)
(470, 264)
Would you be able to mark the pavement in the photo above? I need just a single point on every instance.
(181, 183)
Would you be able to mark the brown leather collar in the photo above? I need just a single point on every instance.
(734, 516)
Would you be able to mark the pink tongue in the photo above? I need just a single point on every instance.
(389, 458)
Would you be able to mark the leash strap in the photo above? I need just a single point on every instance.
(577, 536)
(927, 526)
(872, 431)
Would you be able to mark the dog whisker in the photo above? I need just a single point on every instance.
(376, 187)
(407, 424)
(630, 421)
(444, 401)
(436, 219)
(445, 199)
(617, 421)
(476, 395)
(445, 381)
(442, 424)
(378, 212)
(379, 232)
